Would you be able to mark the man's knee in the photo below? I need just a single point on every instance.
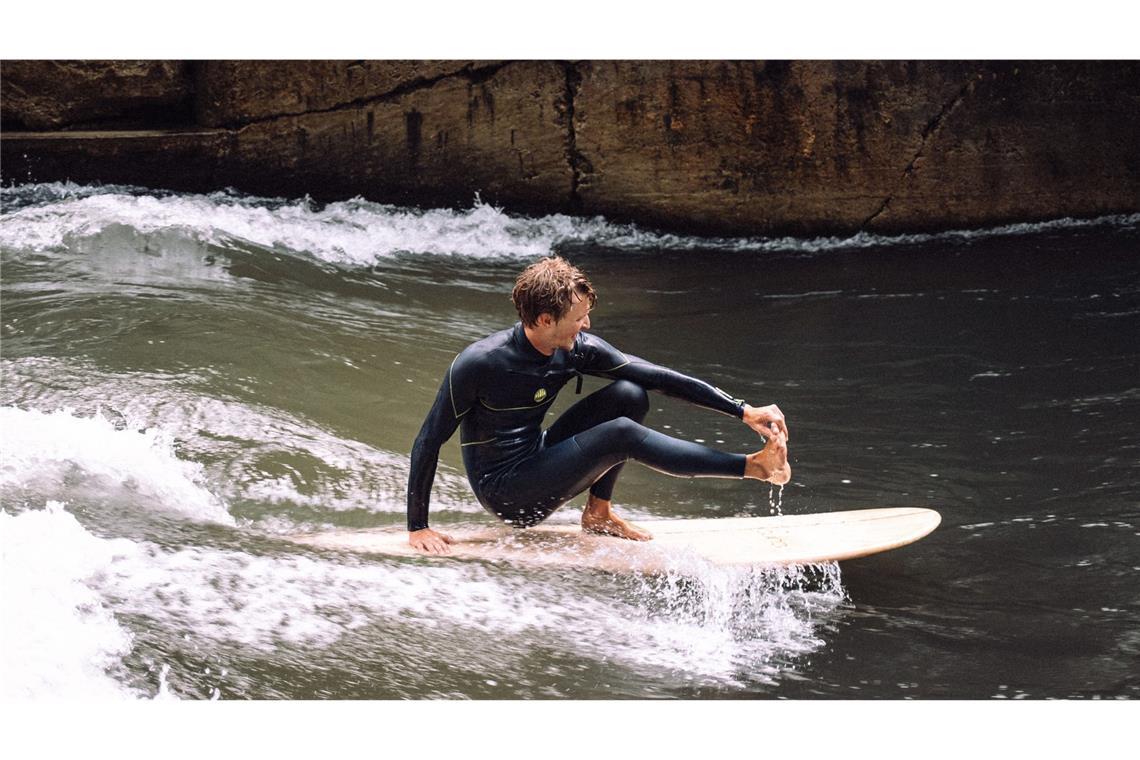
(632, 398)
(625, 433)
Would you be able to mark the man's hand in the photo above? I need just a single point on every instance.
(762, 418)
(428, 541)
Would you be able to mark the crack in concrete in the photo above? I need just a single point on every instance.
(935, 124)
(878, 212)
(574, 158)
(472, 73)
(928, 132)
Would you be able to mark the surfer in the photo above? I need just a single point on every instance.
(498, 389)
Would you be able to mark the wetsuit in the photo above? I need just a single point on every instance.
(497, 392)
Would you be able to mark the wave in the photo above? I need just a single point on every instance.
(151, 432)
(49, 452)
(359, 233)
(117, 608)
(717, 625)
(97, 617)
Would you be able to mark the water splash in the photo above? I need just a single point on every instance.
(193, 603)
(715, 627)
(60, 639)
(736, 625)
(43, 452)
(776, 500)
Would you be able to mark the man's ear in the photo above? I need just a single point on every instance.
(545, 320)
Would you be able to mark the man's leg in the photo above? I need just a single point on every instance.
(542, 483)
(584, 448)
(618, 399)
(579, 455)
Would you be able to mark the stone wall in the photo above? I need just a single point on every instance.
(806, 147)
(46, 95)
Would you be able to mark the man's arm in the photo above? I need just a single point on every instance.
(454, 399)
(600, 358)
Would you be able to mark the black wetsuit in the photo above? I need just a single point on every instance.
(497, 392)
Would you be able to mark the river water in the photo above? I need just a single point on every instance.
(190, 379)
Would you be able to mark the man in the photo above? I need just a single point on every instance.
(498, 390)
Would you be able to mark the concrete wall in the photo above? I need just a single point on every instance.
(750, 147)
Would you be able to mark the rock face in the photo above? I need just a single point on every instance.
(711, 146)
(800, 147)
(40, 95)
(838, 147)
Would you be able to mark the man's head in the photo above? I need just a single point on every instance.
(554, 298)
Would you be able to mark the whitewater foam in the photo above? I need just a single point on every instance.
(65, 589)
(351, 233)
(717, 626)
(359, 233)
(241, 441)
(60, 640)
(42, 451)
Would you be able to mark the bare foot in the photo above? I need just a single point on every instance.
(598, 517)
(771, 462)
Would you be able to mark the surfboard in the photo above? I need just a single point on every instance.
(729, 541)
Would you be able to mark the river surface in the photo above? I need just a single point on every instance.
(190, 379)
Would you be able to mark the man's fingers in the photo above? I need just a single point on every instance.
(778, 418)
(430, 546)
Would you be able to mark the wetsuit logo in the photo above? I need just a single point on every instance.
(540, 395)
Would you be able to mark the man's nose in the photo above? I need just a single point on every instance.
(587, 325)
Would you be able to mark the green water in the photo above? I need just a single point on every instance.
(187, 380)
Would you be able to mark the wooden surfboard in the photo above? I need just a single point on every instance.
(728, 541)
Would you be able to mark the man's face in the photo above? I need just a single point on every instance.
(565, 331)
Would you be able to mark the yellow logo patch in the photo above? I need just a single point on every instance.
(540, 395)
